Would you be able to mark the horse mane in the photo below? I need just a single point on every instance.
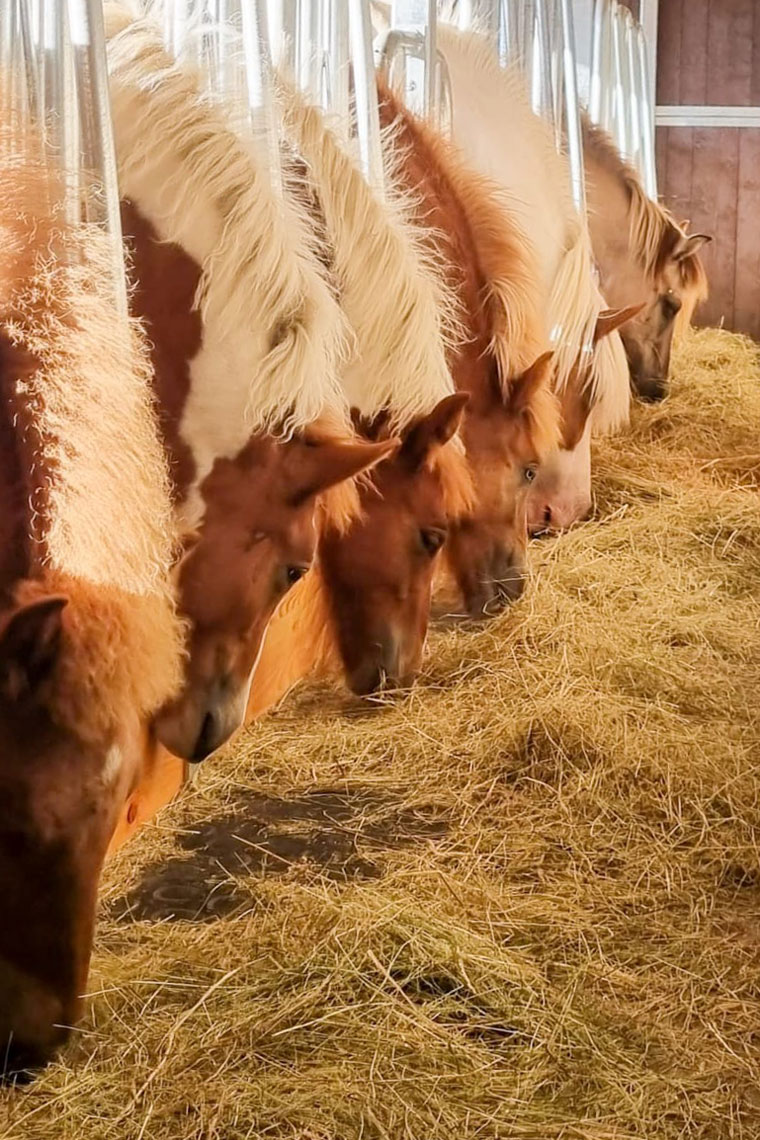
(504, 255)
(261, 292)
(653, 230)
(99, 525)
(573, 302)
(401, 314)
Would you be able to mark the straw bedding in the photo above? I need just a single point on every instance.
(523, 902)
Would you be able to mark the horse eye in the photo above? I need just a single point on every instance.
(529, 474)
(432, 539)
(294, 574)
(671, 304)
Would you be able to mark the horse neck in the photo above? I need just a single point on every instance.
(165, 283)
(608, 212)
(444, 216)
(19, 524)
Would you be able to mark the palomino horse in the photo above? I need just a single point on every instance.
(377, 576)
(498, 131)
(90, 645)
(510, 422)
(642, 253)
(246, 341)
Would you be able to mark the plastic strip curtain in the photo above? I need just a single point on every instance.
(621, 99)
(228, 42)
(53, 61)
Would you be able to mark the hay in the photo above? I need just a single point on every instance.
(523, 902)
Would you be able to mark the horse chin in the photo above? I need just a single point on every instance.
(194, 728)
(491, 598)
(33, 1028)
(650, 389)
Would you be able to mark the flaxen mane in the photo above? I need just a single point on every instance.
(573, 299)
(402, 316)
(396, 303)
(98, 528)
(653, 231)
(486, 234)
(265, 307)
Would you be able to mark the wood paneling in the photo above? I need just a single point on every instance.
(709, 54)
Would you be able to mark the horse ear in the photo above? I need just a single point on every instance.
(523, 388)
(690, 244)
(434, 430)
(327, 462)
(29, 648)
(611, 319)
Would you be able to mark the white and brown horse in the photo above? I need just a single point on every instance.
(90, 646)
(246, 341)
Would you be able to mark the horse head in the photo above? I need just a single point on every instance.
(257, 539)
(378, 575)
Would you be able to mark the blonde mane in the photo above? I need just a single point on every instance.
(100, 523)
(572, 301)
(653, 230)
(505, 256)
(399, 310)
(273, 334)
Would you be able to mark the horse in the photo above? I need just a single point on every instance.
(510, 421)
(376, 576)
(497, 130)
(90, 642)
(642, 252)
(246, 342)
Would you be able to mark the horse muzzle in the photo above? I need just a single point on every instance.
(200, 722)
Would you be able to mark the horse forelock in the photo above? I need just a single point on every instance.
(272, 329)
(450, 465)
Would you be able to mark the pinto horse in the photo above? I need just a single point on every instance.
(246, 340)
(501, 136)
(510, 422)
(642, 253)
(90, 645)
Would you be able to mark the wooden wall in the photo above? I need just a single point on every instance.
(709, 54)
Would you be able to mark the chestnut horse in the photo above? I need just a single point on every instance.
(642, 254)
(510, 421)
(377, 576)
(246, 339)
(90, 646)
(502, 137)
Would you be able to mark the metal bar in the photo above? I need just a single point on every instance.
(572, 115)
(257, 65)
(338, 95)
(365, 93)
(700, 116)
(98, 154)
(646, 117)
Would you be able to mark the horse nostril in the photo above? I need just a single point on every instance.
(21, 1062)
(206, 739)
(547, 516)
